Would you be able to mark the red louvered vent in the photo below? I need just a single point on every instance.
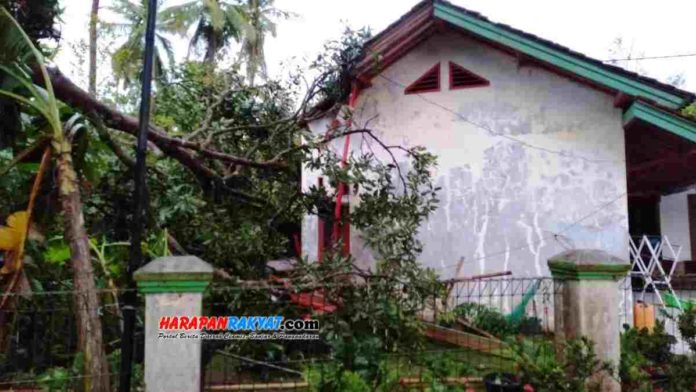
(430, 81)
(460, 77)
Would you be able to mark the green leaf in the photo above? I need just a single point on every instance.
(57, 254)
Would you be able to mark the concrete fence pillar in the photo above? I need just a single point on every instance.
(173, 286)
(588, 303)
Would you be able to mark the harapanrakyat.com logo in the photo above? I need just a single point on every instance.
(237, 328)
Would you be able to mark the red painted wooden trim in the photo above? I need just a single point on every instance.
(320, 228)
(691, 205)
(412, 88)
(354, 93)
(345, 234)
(482, 82)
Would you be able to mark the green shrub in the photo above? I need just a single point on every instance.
(632, 365)
(491, 320)
(540, 367)
(431, 368)
(687, 327)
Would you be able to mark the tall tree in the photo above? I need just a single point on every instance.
(93, 18)
(259, 16)
(126, 61)
(217, 22)
(18, 51)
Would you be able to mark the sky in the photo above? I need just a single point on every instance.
(646, 28)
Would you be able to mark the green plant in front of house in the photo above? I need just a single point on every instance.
(490, 320)
(431, 371)
(440, 366)
(632, 366)
(646, 357)
(539, 366)
(687, 327)
(62, 378)
(681, 371)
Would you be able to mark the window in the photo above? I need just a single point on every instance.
(428, 82)
(460, 77)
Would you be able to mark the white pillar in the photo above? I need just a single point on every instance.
(173, 286)
(588, 304)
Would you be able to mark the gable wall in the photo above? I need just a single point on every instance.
(502, 201)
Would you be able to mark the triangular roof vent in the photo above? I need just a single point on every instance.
(460, 77)
(430, 81)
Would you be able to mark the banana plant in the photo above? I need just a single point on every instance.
(39, 99)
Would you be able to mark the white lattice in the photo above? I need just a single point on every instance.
(647, 258)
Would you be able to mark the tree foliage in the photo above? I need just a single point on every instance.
(126, 61)
(225, 164)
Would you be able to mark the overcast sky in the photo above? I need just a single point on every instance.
(647, 28)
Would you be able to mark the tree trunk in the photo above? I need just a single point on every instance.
(93, 18)
(86, 301)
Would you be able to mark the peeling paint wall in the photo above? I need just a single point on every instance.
(519, 161)
(674, 221)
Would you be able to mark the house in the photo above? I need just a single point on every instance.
(540, 149)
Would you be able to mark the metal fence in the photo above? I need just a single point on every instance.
(663, 308)
(39, 342)
(464, 330)
(453, 336)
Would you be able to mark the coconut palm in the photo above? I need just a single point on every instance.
(39, 99)
(216, 23)
(126, 61)
(259, 16)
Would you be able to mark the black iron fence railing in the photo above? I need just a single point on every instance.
(39, 345)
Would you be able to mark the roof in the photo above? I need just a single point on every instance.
(431, 16)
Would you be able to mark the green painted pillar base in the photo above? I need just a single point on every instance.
(172, 286)
(587, 303)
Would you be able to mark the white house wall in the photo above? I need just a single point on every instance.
(529, 166)
(674, 221)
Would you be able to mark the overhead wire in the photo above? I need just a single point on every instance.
(527, 145)
(663, 57)
(550, 237)
(492, 132)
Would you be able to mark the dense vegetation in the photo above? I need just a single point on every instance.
(226, 151)
(227, 145)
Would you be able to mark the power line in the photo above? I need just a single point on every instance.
(498, 134)
(553, 236)
(527, 145)
(669, 56)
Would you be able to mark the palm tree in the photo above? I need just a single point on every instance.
(259, 16)
(217, 22)
(93, 18)
(17, 52)
(126, 61)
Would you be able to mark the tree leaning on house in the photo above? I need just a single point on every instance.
(232, 158)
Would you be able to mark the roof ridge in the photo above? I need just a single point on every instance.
(685, 95)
